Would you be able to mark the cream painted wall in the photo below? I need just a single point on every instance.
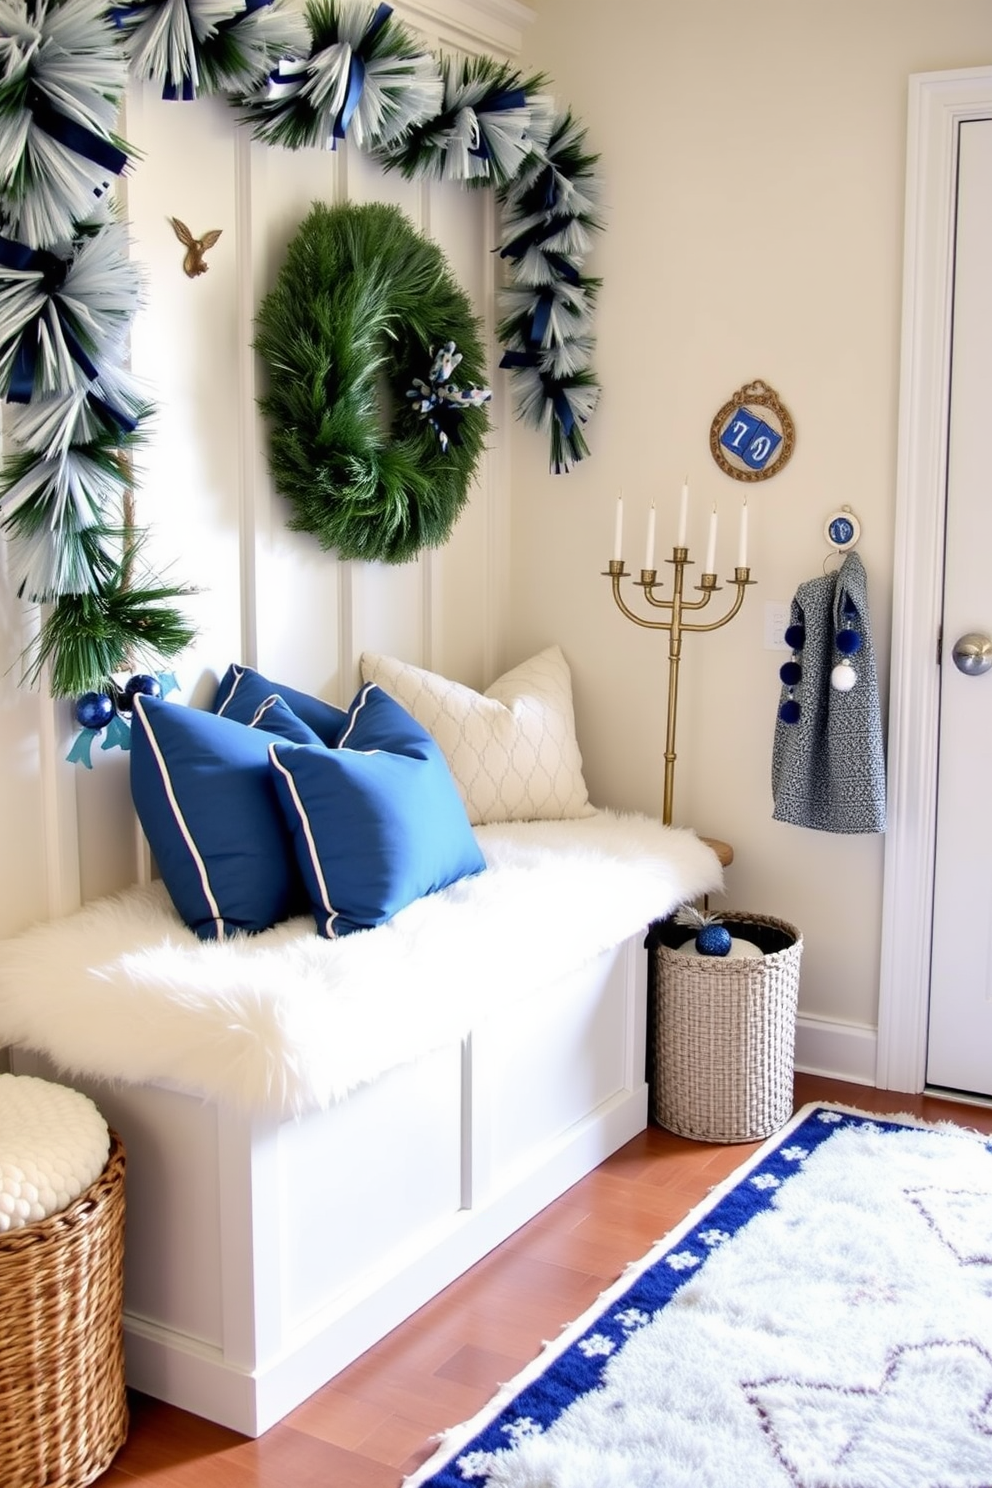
(753, 167)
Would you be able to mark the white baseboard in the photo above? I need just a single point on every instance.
(840, 1051)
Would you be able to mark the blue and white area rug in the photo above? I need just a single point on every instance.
(823, 1320)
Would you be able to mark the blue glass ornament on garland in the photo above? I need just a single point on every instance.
(99, 711)
(142, 683)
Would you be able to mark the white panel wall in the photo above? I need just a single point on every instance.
(266, 595)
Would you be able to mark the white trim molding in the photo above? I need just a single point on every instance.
(939, 103)
(839, 1051)
(470, 25)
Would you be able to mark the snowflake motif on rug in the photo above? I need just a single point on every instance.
(683, 1260)
(476, 1465)
(794, 1154)
(713, 1237)
(632, 1317)
(765, 1180)
(521, 1430)
(597, 1345)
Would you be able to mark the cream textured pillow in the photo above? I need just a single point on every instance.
(512, 749)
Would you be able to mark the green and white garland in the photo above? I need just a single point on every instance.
(68, 290)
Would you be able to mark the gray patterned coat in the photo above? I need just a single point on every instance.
(828, 769)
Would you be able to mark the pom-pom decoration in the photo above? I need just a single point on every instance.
(795, 636)
(790, 711)
(848, 642)
(843, 677)
(363, 78)
(490, 121)
(64, 312)
(191, 48)
(62, 80)
(791, 673)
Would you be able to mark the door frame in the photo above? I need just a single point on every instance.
(939, 102)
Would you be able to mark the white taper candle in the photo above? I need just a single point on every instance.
(618, 529)
(683, 513)
(649, 545)
(742, 552)
(710, 566)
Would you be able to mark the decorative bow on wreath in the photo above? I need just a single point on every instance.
(440, 402)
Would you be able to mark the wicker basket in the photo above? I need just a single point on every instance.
(721, 1038)
(63, 1407)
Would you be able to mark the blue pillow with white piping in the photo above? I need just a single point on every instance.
(204, 794)
(242, 691)
(377, 822)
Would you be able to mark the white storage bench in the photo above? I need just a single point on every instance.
(322, 1135)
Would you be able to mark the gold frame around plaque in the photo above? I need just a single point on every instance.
(754, 396)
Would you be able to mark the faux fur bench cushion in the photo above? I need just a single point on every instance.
(286, 1021)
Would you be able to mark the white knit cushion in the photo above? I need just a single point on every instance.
(53, 1144)
(512, 750)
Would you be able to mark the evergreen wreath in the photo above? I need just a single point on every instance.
(361, 300)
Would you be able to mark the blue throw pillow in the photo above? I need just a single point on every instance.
(275, 716)
(203, 790)
(376, 822)
(242, 691)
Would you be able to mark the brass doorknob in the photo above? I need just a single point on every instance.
(973, 653)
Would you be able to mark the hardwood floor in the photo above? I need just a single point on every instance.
(374, 1423)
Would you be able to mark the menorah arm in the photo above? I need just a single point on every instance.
(742, 579)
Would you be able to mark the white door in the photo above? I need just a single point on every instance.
(959, 1046)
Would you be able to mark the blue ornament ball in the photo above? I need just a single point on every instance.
(795, 636)
(848, 642)
(789, 711)
(147, 685)
(713, 940)
(94, 710)
(791, 673)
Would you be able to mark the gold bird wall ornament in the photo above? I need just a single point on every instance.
(193, 261)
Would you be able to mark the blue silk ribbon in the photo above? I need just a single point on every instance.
(532, 237)
(352, 98)
(541, 317)
(172, 92)
(53, 271)
(76, 137)
(115, 419)
(496, 103)
(356, 76)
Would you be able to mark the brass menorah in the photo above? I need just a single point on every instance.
(676, 625)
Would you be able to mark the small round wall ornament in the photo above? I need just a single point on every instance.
(752, 436)
(374, 358)
(842, 529)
